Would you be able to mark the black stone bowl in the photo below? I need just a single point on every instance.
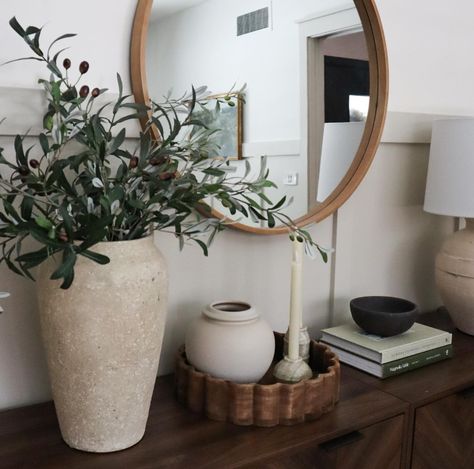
(383, 315)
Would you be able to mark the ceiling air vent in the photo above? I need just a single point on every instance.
(253, 21)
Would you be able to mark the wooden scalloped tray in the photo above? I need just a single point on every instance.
(266, 403)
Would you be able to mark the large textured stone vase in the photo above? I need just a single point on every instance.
(103, 340)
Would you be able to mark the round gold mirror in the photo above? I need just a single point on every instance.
(316, 84)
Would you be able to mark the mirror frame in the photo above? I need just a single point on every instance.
(378, 68)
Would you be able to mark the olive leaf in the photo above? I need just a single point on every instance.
(68, 198)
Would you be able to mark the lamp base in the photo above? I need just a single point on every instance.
(455, 277)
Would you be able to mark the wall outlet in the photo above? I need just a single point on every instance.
(291, 179)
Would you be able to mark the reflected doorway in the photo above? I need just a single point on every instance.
(338, 98)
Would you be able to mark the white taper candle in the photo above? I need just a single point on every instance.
(296, 307)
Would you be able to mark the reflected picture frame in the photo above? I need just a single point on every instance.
(227, 120)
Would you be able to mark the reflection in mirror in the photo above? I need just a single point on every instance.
(306, 70)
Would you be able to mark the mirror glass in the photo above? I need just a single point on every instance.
(305, 69)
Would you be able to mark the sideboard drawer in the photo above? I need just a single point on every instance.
(374, 447)
(444, 433)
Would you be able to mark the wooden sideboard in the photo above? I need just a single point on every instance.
(440, 430)
(423, 419)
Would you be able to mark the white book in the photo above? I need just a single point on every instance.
(419, 338)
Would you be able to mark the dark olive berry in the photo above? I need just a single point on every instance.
(34, 164)
(23, 170)
(133, 162)
(83, 67)
(84, 91)
(62, 235)
(166, 176)
(156, 161)
(66, 64)
(95, 92)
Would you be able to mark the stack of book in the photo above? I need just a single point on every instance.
(388, 356)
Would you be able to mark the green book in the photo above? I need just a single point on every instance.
(395, 367)
(419, 338)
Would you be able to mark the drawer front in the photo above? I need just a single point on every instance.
(374, 447)
(444, 433)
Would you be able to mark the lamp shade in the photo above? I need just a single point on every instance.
(450, 181)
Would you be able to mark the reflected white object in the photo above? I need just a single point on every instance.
(358, 108)
(3, 294)
(340, 143)
(164, 8)
(449, 191)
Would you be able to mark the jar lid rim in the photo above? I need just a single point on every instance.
(230, 311)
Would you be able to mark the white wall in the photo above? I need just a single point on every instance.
(385, 243)
(430, 55)
(267, 61)
(104, 38)
(210, 53)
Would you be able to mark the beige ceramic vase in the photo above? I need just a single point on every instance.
(229, 340)
(455, 277)
(103, 340)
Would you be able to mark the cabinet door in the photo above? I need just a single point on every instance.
(375, 447)
(444, 433)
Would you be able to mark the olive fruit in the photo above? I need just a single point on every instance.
(23, 170)
(84, 91)
(133, 162)
(83, 67)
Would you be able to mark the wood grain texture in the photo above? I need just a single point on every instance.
(378, 63)
(427, 386)
(178, 438)
(138, 43)
(381, 447)
(377, 446)
(444, 434)
(267, 403)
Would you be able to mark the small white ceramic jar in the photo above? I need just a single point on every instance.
(230, 341)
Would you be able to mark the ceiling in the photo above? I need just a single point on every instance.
(162, 8)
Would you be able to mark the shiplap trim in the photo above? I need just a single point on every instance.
(275, 148)
(23, 110)
(408, 127)
(327, 22)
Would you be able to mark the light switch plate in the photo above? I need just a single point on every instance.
(291, 179)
